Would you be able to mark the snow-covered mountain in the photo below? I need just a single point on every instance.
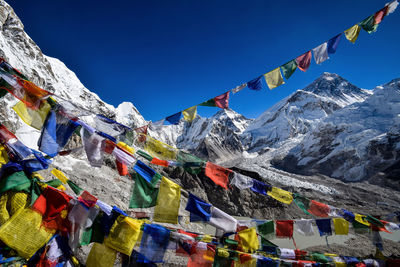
(355, 142)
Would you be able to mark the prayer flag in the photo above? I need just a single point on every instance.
(101, 256)
(284, 228)
(154, 243)
(94, 145)
(168, 202)
(109, 126)
(333, 43)
(34, 118)
(241, 181)
(190, 113)
(255, 84)
(144, 195)
(321, 53)
(318, 209)
(352, 33)
(289, 68)
(341, 226)
(391, 7)
(208, 103)
(238, 88)
(347, 215)
(159, 149)
(124, 234)
(222, 220)
(56, 132)
(122, 168)
(274, 78)
(304, 61)
(198, 208)
(369, 25)
(304, 227)
(60, 175)
(218, 174)
(248, 240)
(324, 226)
(266, 229)
(142, 132)
(378, 17)
(280, 195)
(259, 187)
(144, 155)
(175, 118)
(159, 162)
(222, 101)
(287, 253)
(146, 172)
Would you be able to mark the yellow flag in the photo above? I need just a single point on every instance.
(190, 113)
(281, 195)
(361, 219)
(223, 252)
(250, 263)
(248, 239)
(126, 147)
(159, 149)
(168, 202)
(60, 175)
(101, 256)
(352, 33)
(124, 234)
(34, 118)
(341, 226)
(274, 78)
(206, 239)
(3, 155)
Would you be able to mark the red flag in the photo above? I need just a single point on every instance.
(122, 168)
(284, 229)
(318, 209)
(222, 101)
(5, 134)
(380, 15)
(142, 132)
(159, 162)
(88, 199)
(304, 61)
(218, 174)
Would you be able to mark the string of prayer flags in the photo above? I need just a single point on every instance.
(154, 243)
(284, 228)
(304, 61)
(341, 226)
(324, 226)
(304, 227)
(222, 220)
(238, 88)
(333, 43)
(174, 118)
(241, 181)
(189, 114)
(34, 118)
(352, 33)
(150, 175)
(321, 53)
(280, 195)
(289, 68)
(144, 195)
(198, 208)
(168, 202)
(218, 174)
(255, 84)
(248, 240)
(318, 209)
(274, 78)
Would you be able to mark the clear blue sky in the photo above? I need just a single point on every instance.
(165, 56)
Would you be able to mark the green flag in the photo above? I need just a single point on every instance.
(144, 195)
(74, 187)
(302, 202)
(369, 25)
(209, 103)
(289, 68)
(266, 229)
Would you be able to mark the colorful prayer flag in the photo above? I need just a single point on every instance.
(248, 240)
(255, 84)
(222, 101)
(159, 149)
(321, 53)
(175, 118)
(369, 25)
(144, 195)
(259, 187)
(198, 208)
(280, 195)
(238, 88)
(266, 229)
(190, 113)
(352, 33)
(222, 220)
(34, 118)
(274, 78)
(324, 226)
(304, 227)
(333, 43)
(304, 61)
(154, 243)
(284, 228)
(60, 175)
(318, 209)
(341, 226)
(168, 202)
(218, 174)
(241, 181)
(146, 172)
(208, 103)
(289, 68)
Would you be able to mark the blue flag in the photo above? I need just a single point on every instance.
(145, 171)
(333, 43)
(255, 84)
(198, 208)
(174, 119)
(324, 226)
